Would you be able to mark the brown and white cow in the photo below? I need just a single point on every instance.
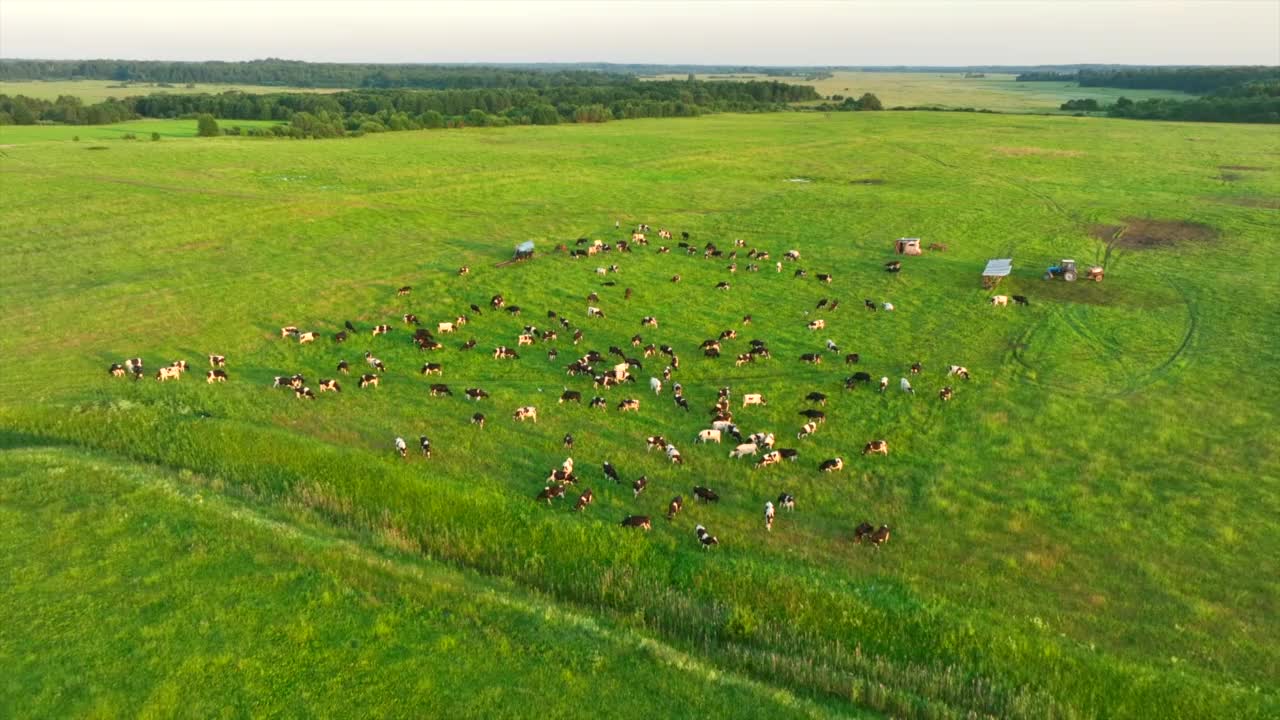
(876, 447)
(528, 412)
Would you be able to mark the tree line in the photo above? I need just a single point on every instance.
(1194, 80)
(364, 111)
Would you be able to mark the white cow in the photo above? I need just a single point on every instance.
(999, 300)
(743, 450)
(707, 436)
(905, 384)
(444, 327)
(752, 399)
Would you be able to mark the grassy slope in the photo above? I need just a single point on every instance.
(201, 607)
(996, 91)
(24, 134)
(1052, 524)
(92, 91)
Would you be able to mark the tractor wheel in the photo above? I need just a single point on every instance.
(1069, 276)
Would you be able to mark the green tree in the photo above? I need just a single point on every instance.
(544, 115)
(869, 102)
(206, 126)
(155, 137)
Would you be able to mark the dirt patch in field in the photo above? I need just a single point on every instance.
(1253, 202)
(1240, 167)
(1026, 150)
(1230, 177)
(867, 181)
(1145, 233)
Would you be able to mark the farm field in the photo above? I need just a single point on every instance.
(93, 91)
(996, 91)
(1085, 530)
(142, 129)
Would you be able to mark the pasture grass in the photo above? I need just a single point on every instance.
(141, 129)
(1085, 530)
(996, 91)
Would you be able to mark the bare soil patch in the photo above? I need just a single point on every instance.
(1027, 150)
(1269, 203)
(1240, 167)
(1145, 233)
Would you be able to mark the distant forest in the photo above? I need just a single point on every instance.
(375, 110)
(1227, 94)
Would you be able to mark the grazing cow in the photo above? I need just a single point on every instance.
(744, 449)
(468, 344)
(862, 532)
(893, 267)
(595, 312)
(770, 458)
(445, 327)
(818, 324)
(916, 368)
(289, 331)
(497, 301)
(799, 273)
(404, 290)
(478, 419)
(304, 393)
(655, 441)
(743, 359)
(832, 465)
(598, 403)
(568, 441)
(439, 389)
(213, 376)
(168, 373)
(888, 306)
(307, 337)
(381, 329)
(753, 399)
(370, 379)
(330, 386)
(816, 397)
(570, 396)
(703, 494)
(528, 412)
(432, 369)
(815, 415)
(217, 361)
(639, 485)
(852, 381)
(789, 454)
(722, 285)
(725, 426)
(524, 339)
(340, 336)
(764, 440)
(811, 358)
(674, 507)
(503, 352)
(637, 521)
(879, 537)
(374, 362)
(876, 447)
(824, 278)
(711, 352)
(410, 319)
(464, 270)
(870, 305)
(673, 454)
(585, 499)
(905, 384)
(706, 538)
(778, 267)
(807, 429)
(958, 370)
(116, 370)
(476, 394)
(680, 401)
(655, 385)
(792, 255)
(945, 393)
(1020, 300)
(601, 271)
(707, 436)
(551, 492)
(402, 447)
(787, 501)
(884, 383)
(425, 445)
(649, 321)
(768, 516)
(675, 278)
(610, 473)
(563, 477)
(832, 347)
(1000, 300)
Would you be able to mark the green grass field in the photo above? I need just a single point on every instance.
(92, 91)
(996, 91)
(1086, 530)
(142, 129)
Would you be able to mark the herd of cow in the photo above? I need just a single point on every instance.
(760, 445)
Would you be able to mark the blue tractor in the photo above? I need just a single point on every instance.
(1065, 270)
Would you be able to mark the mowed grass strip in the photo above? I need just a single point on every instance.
(1059, 503)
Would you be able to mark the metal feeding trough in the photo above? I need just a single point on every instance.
(996, 271)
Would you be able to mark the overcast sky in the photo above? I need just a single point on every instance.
(804, 32)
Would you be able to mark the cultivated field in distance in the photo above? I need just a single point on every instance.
(995, 91)
(92, 91)
(1085, 529)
